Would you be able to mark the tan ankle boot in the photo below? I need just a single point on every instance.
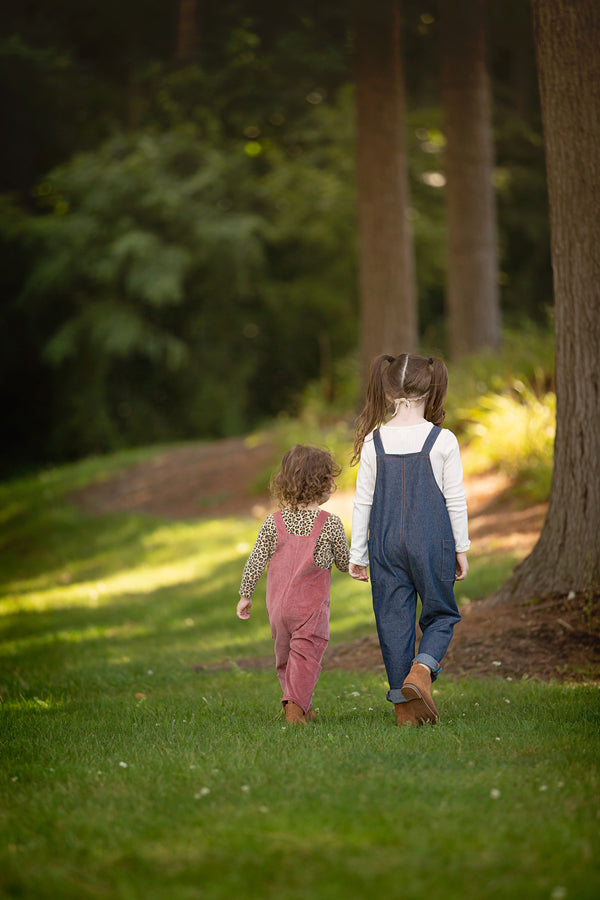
(294, 714)
(417, 687)
(406, 713)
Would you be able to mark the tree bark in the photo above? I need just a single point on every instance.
(472, 297)
(567, 555)
(187, 32)
(386, 254)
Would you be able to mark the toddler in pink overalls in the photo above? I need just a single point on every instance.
(300, 543)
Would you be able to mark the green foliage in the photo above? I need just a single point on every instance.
(526, 355)
(190, 266)
(524, 239)
(515, 434)
(426, 144)
(174, 289)
(503, 407)
(46, 101)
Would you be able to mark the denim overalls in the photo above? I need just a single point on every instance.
(411, 550)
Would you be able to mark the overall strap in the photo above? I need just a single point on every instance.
(431, 439)
(319, 523)
(279, 523)
(378, 443)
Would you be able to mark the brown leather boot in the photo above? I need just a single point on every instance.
(417, 687)
(310, 716)
(406, 713)
(294, 714)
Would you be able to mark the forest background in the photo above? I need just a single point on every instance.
(182, 237)
(178, 213)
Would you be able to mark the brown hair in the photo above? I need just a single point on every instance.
(305, 476)
(407, 376)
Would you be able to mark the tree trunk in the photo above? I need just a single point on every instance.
(567, 555)
(472, 298)
(187, 32)
(386, 255)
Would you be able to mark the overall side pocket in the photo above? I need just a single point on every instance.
(448, 561)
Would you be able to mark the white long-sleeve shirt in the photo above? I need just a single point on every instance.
(447, 470)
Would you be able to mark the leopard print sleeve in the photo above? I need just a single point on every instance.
(265, 545)
(332, 546)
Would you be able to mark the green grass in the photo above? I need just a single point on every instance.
(127, 774)
(198, 788)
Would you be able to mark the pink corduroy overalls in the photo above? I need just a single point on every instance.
(298, 607)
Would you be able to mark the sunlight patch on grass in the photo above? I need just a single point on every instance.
(75, 636)
(32, 704)
(172, 556)
(146, 580)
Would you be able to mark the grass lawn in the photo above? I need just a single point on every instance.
(126, 774)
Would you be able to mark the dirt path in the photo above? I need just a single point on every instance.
(556, 638)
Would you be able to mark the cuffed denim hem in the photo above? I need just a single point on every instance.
(431, 662)
(395, 696)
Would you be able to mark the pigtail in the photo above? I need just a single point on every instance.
(374, 410)
(434, 407)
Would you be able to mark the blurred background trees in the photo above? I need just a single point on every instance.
(389, 317)
(472, 294)
(178, 210)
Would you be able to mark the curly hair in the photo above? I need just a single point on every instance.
(306, 475)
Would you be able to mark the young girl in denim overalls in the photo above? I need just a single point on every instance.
(300, 543)
(409, 524)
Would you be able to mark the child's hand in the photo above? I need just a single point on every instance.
(358, 572)
(462, 566)
(243, 608)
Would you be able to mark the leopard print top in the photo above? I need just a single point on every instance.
(331, 547)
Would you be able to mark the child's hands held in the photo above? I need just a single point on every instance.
(462, 566)
(243, 608)
(358, 572)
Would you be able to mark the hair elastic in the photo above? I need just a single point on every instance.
(406, 401)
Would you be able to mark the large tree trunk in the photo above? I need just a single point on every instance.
(187, 32)
(472, 298)
(567, 555)
(386, 256)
